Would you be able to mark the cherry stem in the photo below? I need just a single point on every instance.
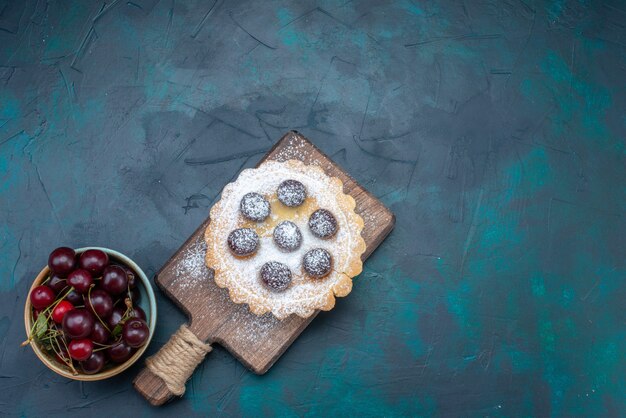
(104, 347)
(47, 279)
(48, 312)
(70, 363)
(93, 310)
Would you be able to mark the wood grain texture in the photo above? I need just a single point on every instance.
(257, 342)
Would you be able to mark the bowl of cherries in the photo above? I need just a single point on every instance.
(90, 313)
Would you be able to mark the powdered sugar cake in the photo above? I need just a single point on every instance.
(256, 341)
(302, 295)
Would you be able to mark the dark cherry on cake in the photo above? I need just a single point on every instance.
(291, 193)
(287, 236)
(243, 241)
(254, 207)
(317, 263)
(276, 276)
(323, 224)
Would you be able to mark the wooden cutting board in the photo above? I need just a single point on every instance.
(255, 341)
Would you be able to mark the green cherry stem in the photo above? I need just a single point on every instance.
(47, 312)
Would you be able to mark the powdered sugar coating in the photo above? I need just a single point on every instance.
(191, 268)
(317, 263)
(243, 241)
(241, 276)
(287, 236)
(323, 223)
(291, 193)
(275, 276)
(254, 207)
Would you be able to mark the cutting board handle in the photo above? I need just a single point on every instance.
(168, 370)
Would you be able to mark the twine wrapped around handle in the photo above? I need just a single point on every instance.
(176, 361)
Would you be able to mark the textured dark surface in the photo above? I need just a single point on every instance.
(494, 131)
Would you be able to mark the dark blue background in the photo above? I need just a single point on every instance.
(493, 129)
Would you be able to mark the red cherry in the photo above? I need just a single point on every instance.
(135, 332)
(78, 323)
(80, 350)
(99, 334)
(57, 283)
(137, 312)
(119, 352)
(62, 260)
(41, 297)
(116, 316)
(80, 280)
(60, 310)
(114, 280)
(74, 297)
(93, 261)
(99, 302)
(94, 363)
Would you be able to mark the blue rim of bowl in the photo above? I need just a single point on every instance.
(117, 369)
